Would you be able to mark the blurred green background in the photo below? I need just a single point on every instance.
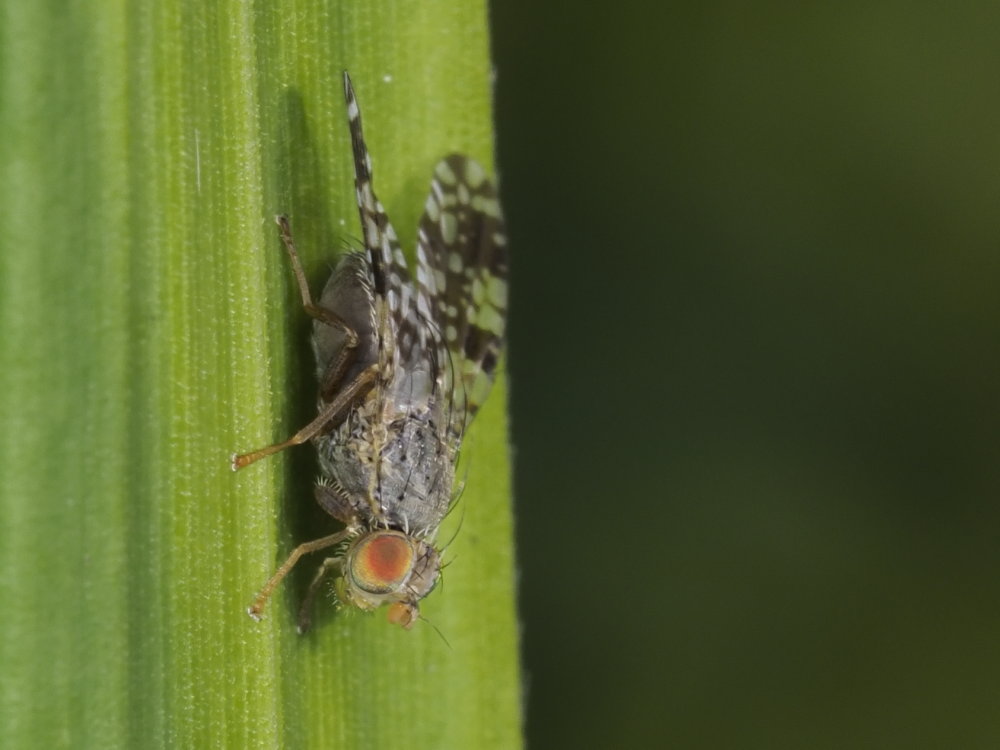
(755, 370)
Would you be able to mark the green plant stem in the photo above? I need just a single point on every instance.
(150, 327)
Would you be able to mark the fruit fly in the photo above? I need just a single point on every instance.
(403, 364)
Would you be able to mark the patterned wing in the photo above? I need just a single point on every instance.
(391, 279)
(462, 281)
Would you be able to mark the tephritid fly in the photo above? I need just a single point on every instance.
(403, 366)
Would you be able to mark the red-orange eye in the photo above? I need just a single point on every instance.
(381, 563)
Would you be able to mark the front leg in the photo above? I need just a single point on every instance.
(257, 608)
(305, 611)
(337, 503)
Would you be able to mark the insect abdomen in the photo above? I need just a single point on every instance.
(348, 295)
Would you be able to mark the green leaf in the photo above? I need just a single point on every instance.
(151, 327)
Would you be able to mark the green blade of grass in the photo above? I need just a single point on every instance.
(151, 327)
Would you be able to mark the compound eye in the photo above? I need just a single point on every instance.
(381, 563)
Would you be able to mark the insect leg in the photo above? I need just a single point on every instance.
(335, 371)
(337, 503)
(257, 607)
(305, 611)
(353, 391)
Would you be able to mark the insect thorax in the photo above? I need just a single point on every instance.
(390, 459)
(401, 479)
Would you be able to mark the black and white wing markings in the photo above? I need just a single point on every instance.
(391, 278)
(450, 325)
(462, 272)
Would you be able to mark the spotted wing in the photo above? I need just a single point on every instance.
(462, 281)
(390, 278)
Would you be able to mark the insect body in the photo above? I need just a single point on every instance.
(403, 365)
